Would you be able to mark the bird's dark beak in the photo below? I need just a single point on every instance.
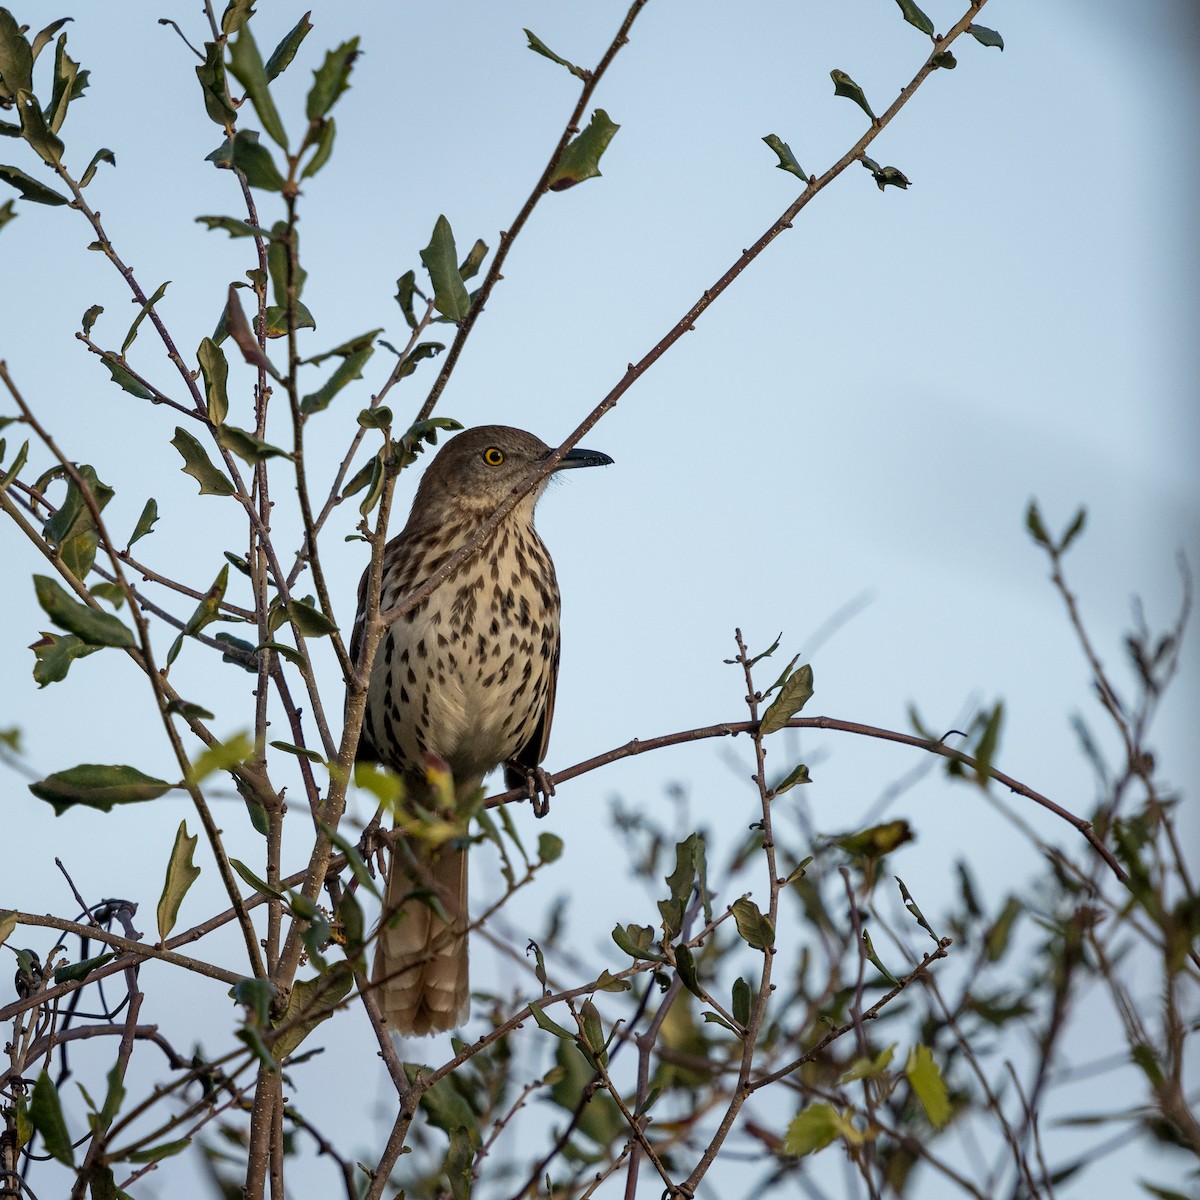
(583, 458)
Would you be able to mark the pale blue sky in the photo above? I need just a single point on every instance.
(868, 410)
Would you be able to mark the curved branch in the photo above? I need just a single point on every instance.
(732, 728)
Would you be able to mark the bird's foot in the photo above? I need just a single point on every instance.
(538, 786)
(372, 846)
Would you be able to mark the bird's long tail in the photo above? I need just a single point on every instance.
(421, 959)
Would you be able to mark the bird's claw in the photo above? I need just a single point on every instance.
(372, 846)
(541, 788)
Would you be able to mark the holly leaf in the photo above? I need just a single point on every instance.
(581, 158)
(198, 465)
(843, 85)
(787, 160)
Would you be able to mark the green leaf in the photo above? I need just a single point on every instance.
(376, 418)
(234, 226)
(298, 751)
(927, 1083)
(985, 36)
(91, 625)
(69, 84)
(539, 47)
(246, 446)
(311, 1002)
(197, 464)
(441, 261)
(843, 85)
(146, 522)
(874, 959)
(870, 1068)
(635, 941)
(159, 1152)
(550, 847)
(331, 80)
(885, 176)
(110, 592)
(133, 329)
(1033, 522)
(592, 1032)
(787, 160)
(182, 872)
(211, 74)
(254, 161)
(102, 155)
(220, 756)
(996, 940)
(236, 14)
(246, 66)
(795, 693)
(713, 1018)
(355, 345)
(309, 619)
(34, 129)
(45, 1109)
(322, 142)
(283, 54)
(741, 1002)
(122, 376)
(1073, 530)
(8, 924)
(419, 352)
(911, 905)
(215, 368)
(945, 60)
(797, 776)
(94, 785)
(8, 213)
(42, 39)
(29, 187)
(989, 739)
(581, 158)
(914, 16)
(74, 972)
(877, 840)
(54, 654)
(72, 529)
(16, 57)
(89, 318)
(348, 370)
(405, 288)
(685, 964)
(15, 469)
(753, 926)
(544, 1022)
(469, 267)
(818, 1126)
(259, 885)
(607, 982)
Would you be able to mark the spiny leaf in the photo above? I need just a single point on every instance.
(797, 776)
(843, 85)
(54, 653)
(197, 464)
(331, 80)
(182, 872)
(211, 74)
(348, 370)
(246, 446)
(635, 941)
(787, 160)
(885, 176)
(581, 158)
(95, 785)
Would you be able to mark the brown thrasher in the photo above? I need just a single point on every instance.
(468, 675)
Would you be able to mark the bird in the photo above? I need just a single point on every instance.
(465, 678)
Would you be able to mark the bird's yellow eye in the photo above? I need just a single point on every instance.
(493, 456)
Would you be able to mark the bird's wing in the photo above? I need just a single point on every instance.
(534, 750)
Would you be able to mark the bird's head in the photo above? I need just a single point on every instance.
(477, 469)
